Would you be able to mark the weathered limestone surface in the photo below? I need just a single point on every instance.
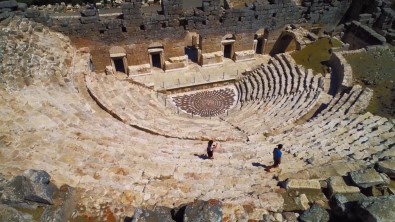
(315, 213)
(8, 213)
(367, 178)
(338, 185)
(377, 209)
(210, 210)
(343, 205)
(387, 167)
(303, 184)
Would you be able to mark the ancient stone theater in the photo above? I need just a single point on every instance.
(107, 109)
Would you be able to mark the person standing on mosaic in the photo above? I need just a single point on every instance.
(210, 149)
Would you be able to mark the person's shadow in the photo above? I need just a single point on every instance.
(201, 156)
(256, 164)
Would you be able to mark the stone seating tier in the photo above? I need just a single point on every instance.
(340, 131)
(138, 107)
(265, 102)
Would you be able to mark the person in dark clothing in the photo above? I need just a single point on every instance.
(210, 149)
(277, 154)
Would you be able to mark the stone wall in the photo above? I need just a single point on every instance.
(135, 26)
(341, 71)
(360, 36)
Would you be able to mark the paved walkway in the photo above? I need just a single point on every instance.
(195, 74)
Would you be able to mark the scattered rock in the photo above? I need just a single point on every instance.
(88, 12)
(278, 217)
(4, 15)
(303, 184)
(338, 184)
(37, 187)
(268, 218)
(22, 6)
(13, 192)
(63, 207)
(156, 214)
(32, 186)
(304, 201)
(343, 205)
(376, 209)
(387, 167)
(368, 177)
(9, 214)
(31, 13)
(290, 217)
(3, 182)
(200, 211)
(315, 214)
(9, 4)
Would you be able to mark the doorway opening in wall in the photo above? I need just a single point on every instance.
(228, 46)
(119, 66)
(156, 60)
(192, 53)
(259, 46)
(228, 51)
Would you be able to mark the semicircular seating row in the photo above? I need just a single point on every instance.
(274, 95)
(342, 129)
(140, 108)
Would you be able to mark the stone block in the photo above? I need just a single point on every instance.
(37, 187)
(31, 13)
(367, 178)
(343, 205)
(156, 214)
(302, 184)
(88, 12)
(244, 55)
(13, 191)
(387, 167)
(86, 20)
(314, 214)
(22, 6)
(64, 206)
(175, 65)
(139, 69)
(338, 184)
(376, 209)
(210, 210)
(4, 15)
(9, 4)
(8, 213)
(211, 58)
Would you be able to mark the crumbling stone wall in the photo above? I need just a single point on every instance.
(135, 26)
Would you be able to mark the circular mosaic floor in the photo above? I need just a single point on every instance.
(206, 103)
